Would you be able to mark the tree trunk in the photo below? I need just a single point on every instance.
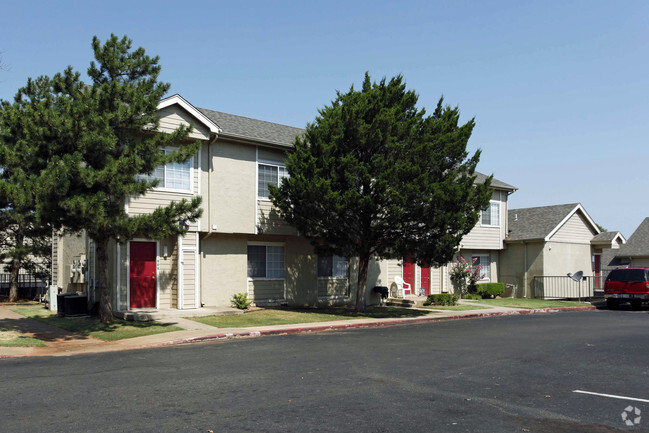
(105, 307)
(15, 269)
(363, 264)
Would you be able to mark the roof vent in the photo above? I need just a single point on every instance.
(515, 217)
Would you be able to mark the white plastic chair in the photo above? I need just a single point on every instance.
(401, 285)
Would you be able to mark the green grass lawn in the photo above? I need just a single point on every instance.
(281, 316)
(460, 307)
(16, 339)
(92, 327)
(530, 303)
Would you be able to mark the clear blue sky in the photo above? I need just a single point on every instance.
(558, 88)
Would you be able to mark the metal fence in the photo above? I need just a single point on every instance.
(564, 287)
(29, 286)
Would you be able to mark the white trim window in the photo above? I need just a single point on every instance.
(491, 215)
(175, 176)
(266, 261)
(269, 174)
(483, 261)
(332, 267)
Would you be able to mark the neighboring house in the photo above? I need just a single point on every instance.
(606, 246)
(635, 253)
(548, 241)
(481, 246)
(240, 244)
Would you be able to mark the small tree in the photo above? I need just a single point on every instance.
(82, 147)
(464, 275)
(373, 176)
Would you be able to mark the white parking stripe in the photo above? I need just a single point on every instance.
(621, 397)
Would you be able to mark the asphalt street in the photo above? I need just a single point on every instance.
(502, 374)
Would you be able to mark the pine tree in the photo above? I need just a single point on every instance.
(373, 176)
(25, 244)
(83, 145)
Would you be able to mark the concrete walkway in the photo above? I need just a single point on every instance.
(63, 343)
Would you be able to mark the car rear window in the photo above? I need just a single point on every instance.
(627, 275)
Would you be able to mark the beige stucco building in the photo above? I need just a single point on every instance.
(240, 244)
(550, 242)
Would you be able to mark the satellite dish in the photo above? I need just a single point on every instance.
(577, 276)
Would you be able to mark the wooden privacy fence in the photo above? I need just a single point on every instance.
(564, 287)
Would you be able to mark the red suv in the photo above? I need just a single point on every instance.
(627, 285)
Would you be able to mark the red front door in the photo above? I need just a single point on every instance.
(409, 273)
(597, 269)
(143, 275)
(425, 279)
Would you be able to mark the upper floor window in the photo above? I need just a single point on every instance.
(491, 215)
(269, 174)
(174, 176)
(332, 266)
(265, 261)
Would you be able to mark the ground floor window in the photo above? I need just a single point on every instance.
(483, 261)
(265, 261)
(332, 266)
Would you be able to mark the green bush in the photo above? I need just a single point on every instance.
(472, 296)
(490, 290)
(240, 301)
(442, 299)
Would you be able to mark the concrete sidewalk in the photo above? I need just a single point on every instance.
(64, 343)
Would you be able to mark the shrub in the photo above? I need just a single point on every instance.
(463, 275)
(472, 296)
(488, 290)
(240, 301)
(442, 299)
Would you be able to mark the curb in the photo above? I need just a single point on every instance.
(375, 324)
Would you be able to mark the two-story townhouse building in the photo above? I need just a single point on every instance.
(240, 244)
(481, 246)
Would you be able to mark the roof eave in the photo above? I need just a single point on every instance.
(179, 100)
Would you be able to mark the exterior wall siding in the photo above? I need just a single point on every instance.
(269, 222)
(575, 230)
(489, 237)
(266, 291)
(561, 258)
(639, 262)
(232, 187)
(333, 287)
(55, 258)
(189, 278)
(174, 116)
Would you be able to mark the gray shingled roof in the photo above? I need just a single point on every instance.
(253, 129)
(282, 135)
(605, 236)
(495, 183)
(536, 222)
(638, 244)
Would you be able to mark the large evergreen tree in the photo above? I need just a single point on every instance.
(373, 176)
(82, 146)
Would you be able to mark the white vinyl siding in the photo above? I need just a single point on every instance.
(576, 230)
(269, 221)
(489, 237)
(174, 116)
(266, 291)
